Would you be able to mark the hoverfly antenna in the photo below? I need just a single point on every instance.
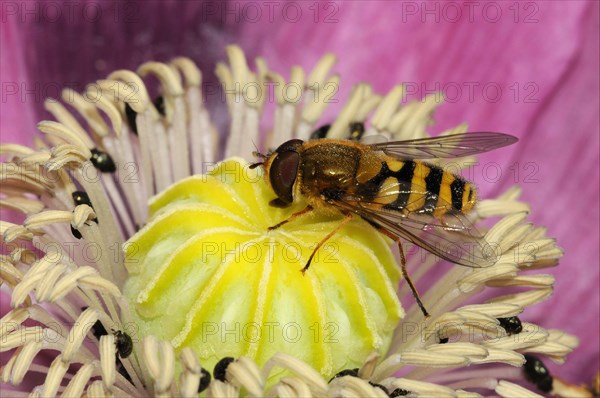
(259, 155)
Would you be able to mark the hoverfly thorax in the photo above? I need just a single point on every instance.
(281, 170)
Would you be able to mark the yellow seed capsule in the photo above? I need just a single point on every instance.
(207, 273)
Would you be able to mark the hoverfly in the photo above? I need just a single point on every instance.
(388, 185)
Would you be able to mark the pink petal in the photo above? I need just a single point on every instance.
(18, 119)
(47, 46)
(564, 141)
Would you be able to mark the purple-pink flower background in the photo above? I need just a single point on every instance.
(526, 68)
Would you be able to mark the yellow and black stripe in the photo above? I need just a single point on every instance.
(415, 186)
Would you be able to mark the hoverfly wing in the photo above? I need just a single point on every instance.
(447, 146)
(454, 239)
(464, 247)
(375, 139)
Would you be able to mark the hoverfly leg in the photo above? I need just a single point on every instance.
(307, 209)
(409, 281)
(345, 221)
(404, 271)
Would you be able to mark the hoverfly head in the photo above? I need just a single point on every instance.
(281, 169)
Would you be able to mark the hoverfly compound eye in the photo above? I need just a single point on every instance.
(283, 170)
(289, 146)
(283, 174)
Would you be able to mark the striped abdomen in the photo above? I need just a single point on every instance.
(417, 187)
